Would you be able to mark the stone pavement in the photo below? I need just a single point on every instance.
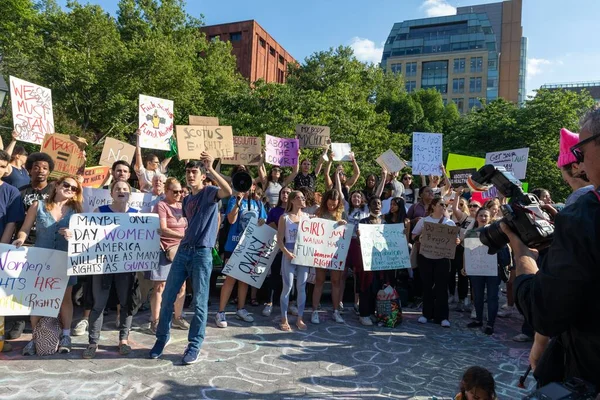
(258, 361)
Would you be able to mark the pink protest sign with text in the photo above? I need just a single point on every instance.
(281, 152)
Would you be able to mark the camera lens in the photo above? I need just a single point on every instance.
(493, 237)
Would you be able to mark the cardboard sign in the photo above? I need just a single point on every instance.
(247, 150)
(94, 198)
(155, 122)
(94, 176)
(477, 260)
(281, 152)
(113, 243)
(252, 258)
(32, 280)
(457, 161)
(427, 153)
(116, 150)
(31, 110)
(322, 243)
(390, 161)
(68, 157)
(514, 161)
(438, 240)
(341, 151)
(458, 177)
(313, 136)
(215, 140)
(203, 121)
(383, 247)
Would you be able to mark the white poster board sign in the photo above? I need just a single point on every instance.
(383, 247)
(155, 122)
(322, 243)
(427, 153)
(94, 198)
(341, 151)
(251, 260)
(33, 280)
(31, 110)
(514, 161)
(477, 260)
(113, 243)
(390, 161)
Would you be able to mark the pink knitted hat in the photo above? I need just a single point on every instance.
(567, 140)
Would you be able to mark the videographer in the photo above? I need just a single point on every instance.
(560, 300)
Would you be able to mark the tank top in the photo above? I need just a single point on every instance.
(272, 192)
(47, 228)
(291, 230)
(106, 209)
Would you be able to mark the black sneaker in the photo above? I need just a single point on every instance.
(475, 324)
(190, 356)
(158, 348)
(488, 330)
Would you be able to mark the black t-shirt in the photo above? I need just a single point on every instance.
(309, 181)
(28, 196)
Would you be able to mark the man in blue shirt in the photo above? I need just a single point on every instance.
(194, 256)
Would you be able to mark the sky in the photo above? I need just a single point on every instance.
(562, 40)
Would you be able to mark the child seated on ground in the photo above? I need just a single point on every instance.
(477, 383)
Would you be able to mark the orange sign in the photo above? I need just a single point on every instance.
(94, 176)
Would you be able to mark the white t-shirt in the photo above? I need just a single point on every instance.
(145, 177)
(419, 227)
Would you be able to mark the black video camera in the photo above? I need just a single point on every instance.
(522, 214)
(573, 389)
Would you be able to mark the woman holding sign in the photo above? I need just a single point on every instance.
(434, 271)
(274, 181)
(51, 217)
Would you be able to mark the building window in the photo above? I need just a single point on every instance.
(435, 76)
(475, 85)
(492, 64)
(492, 83)
(458, 85)
(411, 86)
(396, 68)
(460, 103)
(235, 37)
(459, 65)
(280, 76)
(262, 42)
(272, 51)
(476, 64)
(474, 103)
(411, 69)
(214, 38)
(281, 60)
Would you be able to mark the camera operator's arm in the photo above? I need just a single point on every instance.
(540, 343)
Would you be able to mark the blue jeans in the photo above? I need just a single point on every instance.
(478, 284)
(194, 262)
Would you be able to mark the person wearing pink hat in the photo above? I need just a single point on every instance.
(572, 172)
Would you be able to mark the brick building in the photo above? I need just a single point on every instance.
(258, 55)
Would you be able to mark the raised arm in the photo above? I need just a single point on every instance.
(379, 191)
(355, 173)
(262, 173)
(11, 146)
(139, 163)
(328, 181)
(289, 179)
(165, 163)
(423, 180)
(447, 186)
(224, 188)
(27, 224)
(338, 183)
(321, 160)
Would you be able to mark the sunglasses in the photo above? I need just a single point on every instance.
(576, 150)
(72, 188)
(473, 206)
(443, 205)
(177, 191)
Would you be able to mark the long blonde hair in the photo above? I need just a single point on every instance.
(76, 203)
(293, 194)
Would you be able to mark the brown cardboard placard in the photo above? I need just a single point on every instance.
(193, 140)
(247, 150)
(438, 240)
(115, 150)
(203, 121)
(313, 136)
(68, 157)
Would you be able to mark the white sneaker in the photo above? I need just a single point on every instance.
(337, 317)
(467, 301)
(293, 309)
(244, 315)
(422, 320)
(315, 317)
(81, 328)
(366, 321)
(267, 310)
(446, 323)
(341, 308)
(507, 312)
(473, 313)
(220, 320)
(505, 306)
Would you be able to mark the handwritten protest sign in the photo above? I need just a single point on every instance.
(458, 177)
(215, 140)
(203, 121)
(281, 151)
(457, 161)
(31, 110)
(322, 243)
(247, 150)
(390, 161)
(438, 240)
(383, 247)
(341, 151)
(253, 255)
(155, 122)
(113, 243)
(313, 136)
(477, 260)
(94, 198)
(115, 150)
(68, 157)
(514, 161)
(32, 280)
(94, 176)
(427, 153)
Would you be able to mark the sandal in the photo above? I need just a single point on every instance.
(90, 351)
(285, 326)
(124, 349)
(254, 303)
(301, 325)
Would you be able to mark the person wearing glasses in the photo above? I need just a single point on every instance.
(572, 171)
(16, 174)
(558, 294)
(411, 191)
(434, 271)
(147, 168)
(51, 217)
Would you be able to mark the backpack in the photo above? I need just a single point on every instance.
(47, 336)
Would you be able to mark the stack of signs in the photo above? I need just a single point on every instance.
(155, 122)
(427, 153)
(390, 161)
(514, 161)
(313, 136)
(215, 140)
(31, 110)
(322, 243)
